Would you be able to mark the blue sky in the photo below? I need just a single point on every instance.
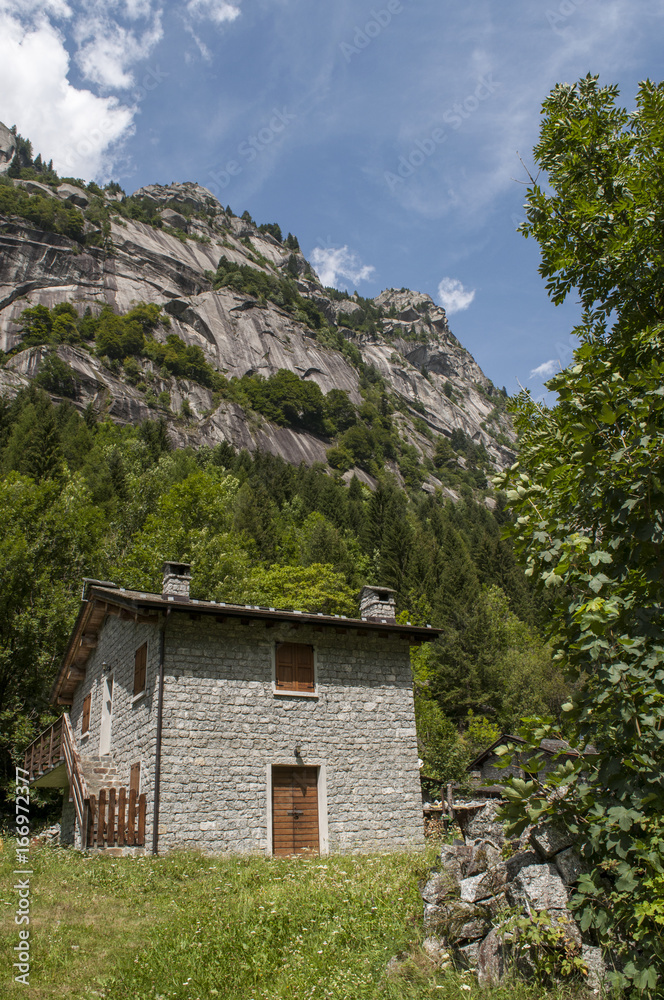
(384, 135)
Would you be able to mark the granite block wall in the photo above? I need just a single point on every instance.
(133, 732)
(224, 728)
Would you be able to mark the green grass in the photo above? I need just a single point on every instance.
(186, 927)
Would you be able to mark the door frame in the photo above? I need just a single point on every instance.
(321, 788)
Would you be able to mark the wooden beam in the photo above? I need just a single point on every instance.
(89, 641)
(62, 700)
(75, 673)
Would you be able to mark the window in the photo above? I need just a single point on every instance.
(140, 665)
(85, 721)
(294, 664)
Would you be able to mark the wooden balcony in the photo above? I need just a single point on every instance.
(44, 759)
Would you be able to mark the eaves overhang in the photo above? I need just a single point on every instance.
(143, 608)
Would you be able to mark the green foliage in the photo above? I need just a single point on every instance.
(56, 376)
(291, 243)
(588, 498)
(42, 211)
(445, 749)
(540, 942)
(282, 291)
(273, 228)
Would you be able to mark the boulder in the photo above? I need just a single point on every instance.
(484, 825)
(457, 921)
(489, 883)
(439, 886)
(484, 855)
(468, 954)
(454, 859)
(174, 219)
(34, 187)
(74, 195)
(550, 839)
(570, 866)
(436, 950)
(594, 962)
(518, 861)
(539, 887)
(493, 957)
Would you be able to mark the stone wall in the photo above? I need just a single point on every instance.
(224, 728)
(481, 883)
(134, 726)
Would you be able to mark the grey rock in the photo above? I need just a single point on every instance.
(454, 860)
(174, 219)
(550, 839)
(594, 961)
(484, 825)
(493, 958)
(74, 195)
(488, 883)
(468, 954)
(538, 886)
(570, 866)
(34, 187)
(436, 949)
(484, 855)
(458, 921)
(7, 148)
(439, 886)
(522, 859)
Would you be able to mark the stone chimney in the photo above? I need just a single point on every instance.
(377, 604)
(177, 578)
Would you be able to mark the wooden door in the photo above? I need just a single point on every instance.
(295, 810)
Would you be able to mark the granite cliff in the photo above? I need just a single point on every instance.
(172, 261)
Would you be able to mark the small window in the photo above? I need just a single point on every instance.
(294, 667)
(140, 664)
(85, 721)
(135, 778)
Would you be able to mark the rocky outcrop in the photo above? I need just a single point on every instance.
(7, 148)
(440, 386)
(472, 904)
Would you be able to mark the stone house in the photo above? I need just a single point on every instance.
(489, 768)
(232, 728)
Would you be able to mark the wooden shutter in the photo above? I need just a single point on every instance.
(295, 667)
(85, 722)
(135, 778)
(140, 664)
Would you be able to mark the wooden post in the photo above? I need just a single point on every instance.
(92, 817)
(122, 832)
(131, 819)
(450, 802)
(111, 817)
(141, 820)
(101, 825)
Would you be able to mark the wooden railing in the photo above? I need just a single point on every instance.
(77, 786)
(46, 751)
(116, 819)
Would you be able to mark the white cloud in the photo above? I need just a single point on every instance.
(76, 128)
(107, 51)
(453, 297)
(546, 370)
(334, 264)
(214, 10)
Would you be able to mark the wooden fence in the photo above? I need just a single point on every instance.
(116, 819)
(46, 751)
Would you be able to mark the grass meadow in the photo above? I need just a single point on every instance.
(188, 927)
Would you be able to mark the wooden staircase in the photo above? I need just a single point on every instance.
(108, 814)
